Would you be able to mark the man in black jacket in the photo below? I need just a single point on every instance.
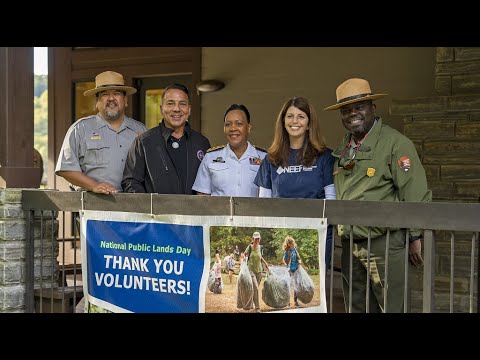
(165, 159)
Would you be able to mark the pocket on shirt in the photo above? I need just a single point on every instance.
(96, 153)
(254, 168)
(220, 175)
(218, 167)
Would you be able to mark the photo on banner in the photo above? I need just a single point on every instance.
(133, 262)
(278, 284)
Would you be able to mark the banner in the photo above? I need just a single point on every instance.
(134, 262)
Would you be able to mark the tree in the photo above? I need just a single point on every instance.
(40, 84)
(40, 118)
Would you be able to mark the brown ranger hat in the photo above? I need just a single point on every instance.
(354, 90)
(110, 80)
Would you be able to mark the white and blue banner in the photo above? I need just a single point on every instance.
(134, 262)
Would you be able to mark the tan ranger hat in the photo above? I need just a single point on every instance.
(110, 80)
(354, 90)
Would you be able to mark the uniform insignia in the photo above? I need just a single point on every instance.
(255, 161)
(370, 172)
(216, 148)
(200, 155)
(404, 163)
(219, 160)
(259, 148)
(95, 136)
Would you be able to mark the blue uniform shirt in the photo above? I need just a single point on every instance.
(221, 173)
(297, 181)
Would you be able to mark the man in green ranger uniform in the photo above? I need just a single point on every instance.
(375, 162)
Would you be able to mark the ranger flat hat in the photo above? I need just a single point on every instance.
(354, 90)
(110, 80)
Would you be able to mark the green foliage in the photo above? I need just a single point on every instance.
(40, 118)
(40, 84)
(225, 238)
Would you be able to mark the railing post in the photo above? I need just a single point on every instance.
(29, 262)
(428, 271)
(478, 275)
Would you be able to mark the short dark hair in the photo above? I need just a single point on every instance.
(240, 107)
(178, 87)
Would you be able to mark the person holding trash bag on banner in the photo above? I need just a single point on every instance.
(291, 260)
(217, 270)
(255, 261)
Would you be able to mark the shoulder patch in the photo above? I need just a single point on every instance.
(259, 148)
(216, 148)
(404, 163)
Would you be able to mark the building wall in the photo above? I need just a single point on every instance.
(445, 130)
(263, 78)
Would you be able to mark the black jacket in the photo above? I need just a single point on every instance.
(149, 169)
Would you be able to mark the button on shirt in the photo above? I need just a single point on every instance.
(93, 147)
(221, 173)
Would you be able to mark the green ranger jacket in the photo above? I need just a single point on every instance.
(387, 168)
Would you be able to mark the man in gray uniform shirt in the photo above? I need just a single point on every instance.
(95, 147)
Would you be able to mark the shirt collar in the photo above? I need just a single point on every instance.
(370, 139)
(250, 152)
(127, 122)
(167, 132)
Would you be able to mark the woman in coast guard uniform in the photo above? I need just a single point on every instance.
(229, 170)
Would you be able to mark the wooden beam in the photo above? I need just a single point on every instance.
(16, 119)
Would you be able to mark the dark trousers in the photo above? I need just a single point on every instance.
(396, 273)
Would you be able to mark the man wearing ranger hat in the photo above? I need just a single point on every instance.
(375, 162)
(95, 147)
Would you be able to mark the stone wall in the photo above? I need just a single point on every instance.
(446, 131)
(12, 251)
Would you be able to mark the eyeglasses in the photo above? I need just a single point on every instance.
(350, 163)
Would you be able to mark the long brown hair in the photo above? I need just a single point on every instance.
(313, 144)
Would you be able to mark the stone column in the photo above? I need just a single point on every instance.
(12, 251)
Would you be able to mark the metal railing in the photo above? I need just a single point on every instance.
(451, 217)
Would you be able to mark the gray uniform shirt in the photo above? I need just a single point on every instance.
(93, 147)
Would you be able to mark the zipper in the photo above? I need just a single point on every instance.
(163, 160)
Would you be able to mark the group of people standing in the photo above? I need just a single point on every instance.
(110, 152)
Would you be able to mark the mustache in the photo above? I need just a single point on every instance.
(111, 102)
